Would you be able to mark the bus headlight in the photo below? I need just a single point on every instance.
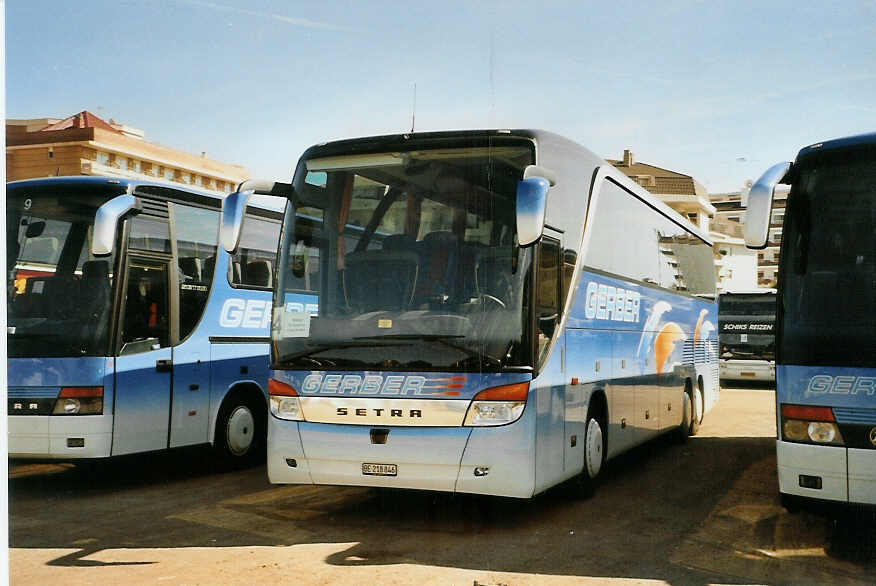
(497, 405)
(814, 425)
(79, 401)
(284, 401)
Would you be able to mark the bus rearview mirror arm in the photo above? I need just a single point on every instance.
(107, 219)
(531, 203)
(760, 202)
(234, 208)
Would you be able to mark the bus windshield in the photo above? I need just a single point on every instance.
(405, 260)
(828, 280)
(741, 304)
(58, 295)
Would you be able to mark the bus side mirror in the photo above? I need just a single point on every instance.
(531, 203)
(233, 210)
(760, 202)
(106, 221)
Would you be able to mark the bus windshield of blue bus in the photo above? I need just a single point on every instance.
(58, 295)
(405, 260)
(828, 279)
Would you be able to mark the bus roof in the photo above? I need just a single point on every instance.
(560, 146)
(839, 143)
(274, 204)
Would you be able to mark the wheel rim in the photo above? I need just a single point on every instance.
(240, 430)
(593, 448)
(699, 399)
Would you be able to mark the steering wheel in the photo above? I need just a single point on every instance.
(487, 297)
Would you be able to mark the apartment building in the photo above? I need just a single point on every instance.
(729, 216)
(85, 144)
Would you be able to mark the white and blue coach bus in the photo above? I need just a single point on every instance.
(825, 321)
(496, 312)
(129, 329)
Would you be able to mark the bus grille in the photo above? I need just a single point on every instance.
(855, 415)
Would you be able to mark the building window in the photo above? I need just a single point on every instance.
(167, 174)
(103, 158)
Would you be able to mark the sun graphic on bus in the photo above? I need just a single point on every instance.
(670, 334)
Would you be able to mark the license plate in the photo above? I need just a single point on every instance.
(380, 469)
(748, 374)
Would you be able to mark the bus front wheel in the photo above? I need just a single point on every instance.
(240, 431)
(594, 454)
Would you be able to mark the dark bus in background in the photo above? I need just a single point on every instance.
(746, 332)
(825, 319)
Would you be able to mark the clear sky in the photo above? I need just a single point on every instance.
(718, 90)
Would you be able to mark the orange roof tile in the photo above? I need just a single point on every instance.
(83, 119)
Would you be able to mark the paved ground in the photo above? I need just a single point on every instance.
(699, 513)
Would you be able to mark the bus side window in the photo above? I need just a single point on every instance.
(145, 325)
(197, 234)
(253, 264)
(547, 292)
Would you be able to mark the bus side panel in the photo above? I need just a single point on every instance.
(191, 392)
(862, 476)
(549, 389)
(234, 364)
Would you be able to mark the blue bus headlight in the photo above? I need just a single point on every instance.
(497, 405)
(815, 425)
(284, 401)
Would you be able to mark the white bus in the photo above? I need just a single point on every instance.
(497, 312)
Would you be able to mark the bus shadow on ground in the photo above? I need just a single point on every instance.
(654, 503)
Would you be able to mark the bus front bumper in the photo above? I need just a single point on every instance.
(760, 370)
(496, 461)
(59, 437)
(844, 474)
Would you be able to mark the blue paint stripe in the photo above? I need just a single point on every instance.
(31, 393)
(855, 416)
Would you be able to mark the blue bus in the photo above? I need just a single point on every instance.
(129, 329)
(825, 320)
(495, 312)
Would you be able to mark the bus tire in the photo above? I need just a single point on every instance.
(594, 452)
(241, 430)
(697, 409)
(686, 415)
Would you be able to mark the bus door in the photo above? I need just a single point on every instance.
(144, 365)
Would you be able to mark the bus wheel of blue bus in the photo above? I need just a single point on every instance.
(698, 407)
(686, 415)
(240, 430)
(594, 452)
(696, 415)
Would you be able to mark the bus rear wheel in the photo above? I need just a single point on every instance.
(240, 431)
(686, 415)
(698, 409)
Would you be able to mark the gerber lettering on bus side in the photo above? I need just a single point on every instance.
(842, 385)
(613, 303)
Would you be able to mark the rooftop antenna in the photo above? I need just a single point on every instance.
(414, 110)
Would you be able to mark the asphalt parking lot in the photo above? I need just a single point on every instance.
(697, 513)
